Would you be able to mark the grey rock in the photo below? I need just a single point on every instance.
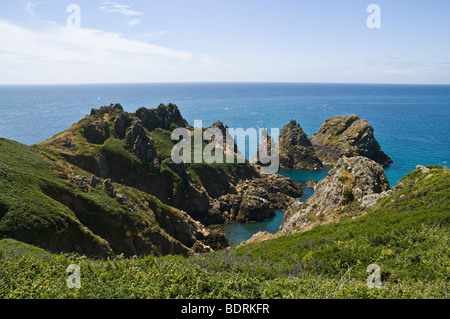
(140, 144)
(354, 178)
(96, 132)
(347, 136)
(423, 169)
(94, 181)
(121, 123)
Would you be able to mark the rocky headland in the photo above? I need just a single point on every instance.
(354, 180)
(347, 136)
(112, 178)
(113, 185)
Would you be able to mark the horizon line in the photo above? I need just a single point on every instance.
(223, 82)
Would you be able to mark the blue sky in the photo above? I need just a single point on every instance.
(224, 40)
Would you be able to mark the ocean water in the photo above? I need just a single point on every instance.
(411, 122)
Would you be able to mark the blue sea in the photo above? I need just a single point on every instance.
(411, 122)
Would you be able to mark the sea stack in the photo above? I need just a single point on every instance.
(296, 150)
(347, 136)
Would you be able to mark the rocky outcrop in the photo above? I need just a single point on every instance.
(225, 134)
(121, 124)
(352, 179)
(255, 199)
(294, 147)
(141, 145)
(137, 153)
(296, 150)
(164, 116)
(112, 108)
(347, 136)
(96, 132)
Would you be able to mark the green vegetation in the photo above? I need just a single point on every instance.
(336, 137)
(407, 235)
(46, 201)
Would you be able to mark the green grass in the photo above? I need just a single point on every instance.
(407, 236)
(336, 137)
(40, 204)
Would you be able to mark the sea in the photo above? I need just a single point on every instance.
(411, 122)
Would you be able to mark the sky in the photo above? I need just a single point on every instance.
(48, 42)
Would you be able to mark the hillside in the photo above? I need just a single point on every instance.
(50, 203)
(134, 149)
(108, 186)
(407, 235)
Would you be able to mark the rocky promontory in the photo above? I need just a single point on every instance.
(296, 150)
(294, 147)
(133, 150)
(347, 136)
(353, 180)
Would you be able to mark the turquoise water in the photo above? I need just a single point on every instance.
(411, 122)
(237, 232)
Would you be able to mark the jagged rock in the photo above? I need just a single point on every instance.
(254, 208)
(121, 124)
(347, 136)
(265, 149)
(164, 116)
(354, 178)
(256, 199)
(94, 181)
(112, 108)
(96, 132)
(296, 150)
(224, 130)
(110, 188)
(140, 144)
(223, 209)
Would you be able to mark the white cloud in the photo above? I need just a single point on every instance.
(29, 7)
(131, 16)
(132, 22)
(113, 7)
(84, 45)
(35, 56)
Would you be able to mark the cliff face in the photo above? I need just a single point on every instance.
(356, 180)
(347, 136)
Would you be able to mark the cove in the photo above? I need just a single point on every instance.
(236, 232)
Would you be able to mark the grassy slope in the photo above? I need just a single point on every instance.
(407, 236)
(40, 204)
